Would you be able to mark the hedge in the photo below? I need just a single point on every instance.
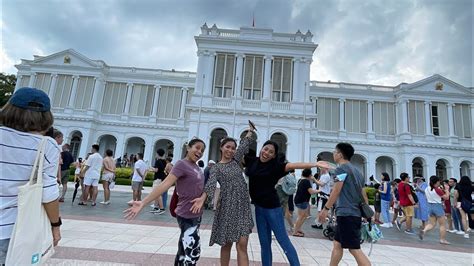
(123, 176)
(370, 194)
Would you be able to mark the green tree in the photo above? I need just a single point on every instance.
(7, 86)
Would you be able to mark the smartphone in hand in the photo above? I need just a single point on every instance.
(252, 125)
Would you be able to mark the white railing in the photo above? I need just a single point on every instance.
(221, 102)
(252, 104)
(354, 86)
(281, 106)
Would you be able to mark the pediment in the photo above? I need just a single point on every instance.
(66, 58)
(436, 84)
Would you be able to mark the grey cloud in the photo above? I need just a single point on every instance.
(385, 42)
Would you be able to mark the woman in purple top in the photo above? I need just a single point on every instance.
(189, 180)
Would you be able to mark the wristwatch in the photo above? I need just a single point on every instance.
(326, 208)
(57, 224)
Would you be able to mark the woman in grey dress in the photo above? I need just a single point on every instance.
(233, 218)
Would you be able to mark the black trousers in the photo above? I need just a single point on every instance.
(189, 245)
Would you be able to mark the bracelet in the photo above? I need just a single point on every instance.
(57, 224)
(326, 208)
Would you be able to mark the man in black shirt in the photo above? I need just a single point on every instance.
(159, 169)
(67, 160)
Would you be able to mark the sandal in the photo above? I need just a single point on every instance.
(298, 234)
(93, 204)
(82, 204)
(444, 242)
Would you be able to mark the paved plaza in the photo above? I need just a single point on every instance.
(100, 236)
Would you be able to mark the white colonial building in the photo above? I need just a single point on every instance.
(425, 127)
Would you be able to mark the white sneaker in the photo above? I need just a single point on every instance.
(452, 231)
(466, 235)
(105, 202)
(390, 225)
(385, 225)
(152, 206)
(459, 233)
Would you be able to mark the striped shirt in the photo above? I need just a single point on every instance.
(17, 155)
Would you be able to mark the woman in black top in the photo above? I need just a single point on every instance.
(264, 172)
(302, 196)
(462, 194)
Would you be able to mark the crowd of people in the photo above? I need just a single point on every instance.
(238, 179)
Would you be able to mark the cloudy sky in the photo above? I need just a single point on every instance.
(362, 41)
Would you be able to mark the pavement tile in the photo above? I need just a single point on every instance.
(112, 245)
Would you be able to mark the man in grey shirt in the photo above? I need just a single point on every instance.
(347, 181)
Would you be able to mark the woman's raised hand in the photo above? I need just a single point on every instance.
(133, 211)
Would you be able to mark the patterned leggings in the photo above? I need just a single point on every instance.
(189, 246)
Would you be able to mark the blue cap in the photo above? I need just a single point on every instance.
(31, 99)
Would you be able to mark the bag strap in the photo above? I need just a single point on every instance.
(36, 176)
(358, 187)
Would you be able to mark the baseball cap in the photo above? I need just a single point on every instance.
(31, 99)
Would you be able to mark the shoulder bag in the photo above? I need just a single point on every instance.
(31, 241)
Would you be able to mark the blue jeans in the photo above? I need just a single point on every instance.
(456, 218)
(164, 196)
(269, 220)
(385, 205)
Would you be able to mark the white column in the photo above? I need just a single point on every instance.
(198, 86)
(341, 115)
(178, 149)
(472, 125)
(18, 82)
(155, 100)
(451, 119)
(404, 105)
(238, 75)
(119, 149)
(129, 98)
(72, 99)
(431, 167)
(314, 100)
(96, 95)
(85, 142)
(371, 166)
(148, 153)
(52, 88)
(267, 85)
(428, 131)
(184, 99)
(370, 117)
(31, 84)
(209, 74)
(296, 91)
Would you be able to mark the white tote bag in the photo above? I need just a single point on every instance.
(31, 242)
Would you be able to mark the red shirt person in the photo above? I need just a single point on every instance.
(407, 202)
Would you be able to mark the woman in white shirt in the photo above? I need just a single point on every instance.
(25, 119)
(435, 196)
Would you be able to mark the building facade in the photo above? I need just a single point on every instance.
(425, 127)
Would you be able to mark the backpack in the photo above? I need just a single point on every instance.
(289, 184)
(413, 194)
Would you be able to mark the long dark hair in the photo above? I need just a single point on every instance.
(465, 181)
(433, 180)
(386, 177)
(279, 156)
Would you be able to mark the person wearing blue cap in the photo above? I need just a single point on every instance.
(24, 120)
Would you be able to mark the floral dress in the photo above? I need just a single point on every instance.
(233, 217)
